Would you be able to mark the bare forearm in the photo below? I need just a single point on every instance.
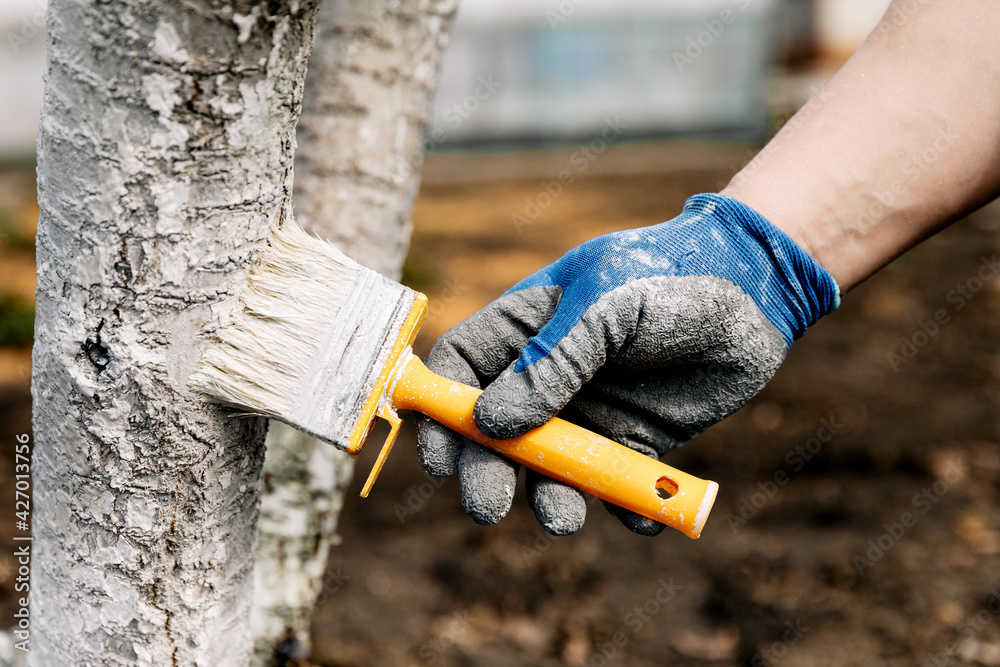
(902, 141)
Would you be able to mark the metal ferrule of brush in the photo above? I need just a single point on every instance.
(346, 385)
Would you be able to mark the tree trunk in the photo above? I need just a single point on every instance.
(164, 154)
(371, 78)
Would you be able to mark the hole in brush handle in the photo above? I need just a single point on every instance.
(666, 488)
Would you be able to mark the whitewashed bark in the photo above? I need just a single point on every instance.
(165, 152)
(372, 74)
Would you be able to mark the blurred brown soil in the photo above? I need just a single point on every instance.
(806, 559)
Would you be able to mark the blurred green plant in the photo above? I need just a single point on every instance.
(17, 321)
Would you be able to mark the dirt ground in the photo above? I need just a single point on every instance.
(858, 520)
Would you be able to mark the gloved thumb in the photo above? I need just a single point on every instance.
(550, 370)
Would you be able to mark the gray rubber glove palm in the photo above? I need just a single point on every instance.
(647, 336)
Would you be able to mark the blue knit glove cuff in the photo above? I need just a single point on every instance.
(790, 287)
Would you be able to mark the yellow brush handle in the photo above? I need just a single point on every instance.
(568, 453)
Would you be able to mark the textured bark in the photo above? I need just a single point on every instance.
(165, 152)
(371, 78)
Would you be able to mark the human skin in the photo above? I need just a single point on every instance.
(904, 140)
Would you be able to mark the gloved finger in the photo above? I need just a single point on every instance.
(487, 482)
(560, 509)
(556, 363)
(438, 447)
(621, 423)
(629, 418)
(473, 353)
(635, 522)
(476, 350)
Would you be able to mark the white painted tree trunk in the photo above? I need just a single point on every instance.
(372, 74)
(165, 152)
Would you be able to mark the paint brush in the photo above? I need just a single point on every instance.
(324, 345)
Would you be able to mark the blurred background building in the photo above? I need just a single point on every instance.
(525, 71)
(22, 61)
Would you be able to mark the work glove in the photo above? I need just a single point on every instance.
(646, 336)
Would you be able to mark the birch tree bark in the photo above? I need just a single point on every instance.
(164, 154)
(372, 75)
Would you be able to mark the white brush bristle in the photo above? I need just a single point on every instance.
(295, 289)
